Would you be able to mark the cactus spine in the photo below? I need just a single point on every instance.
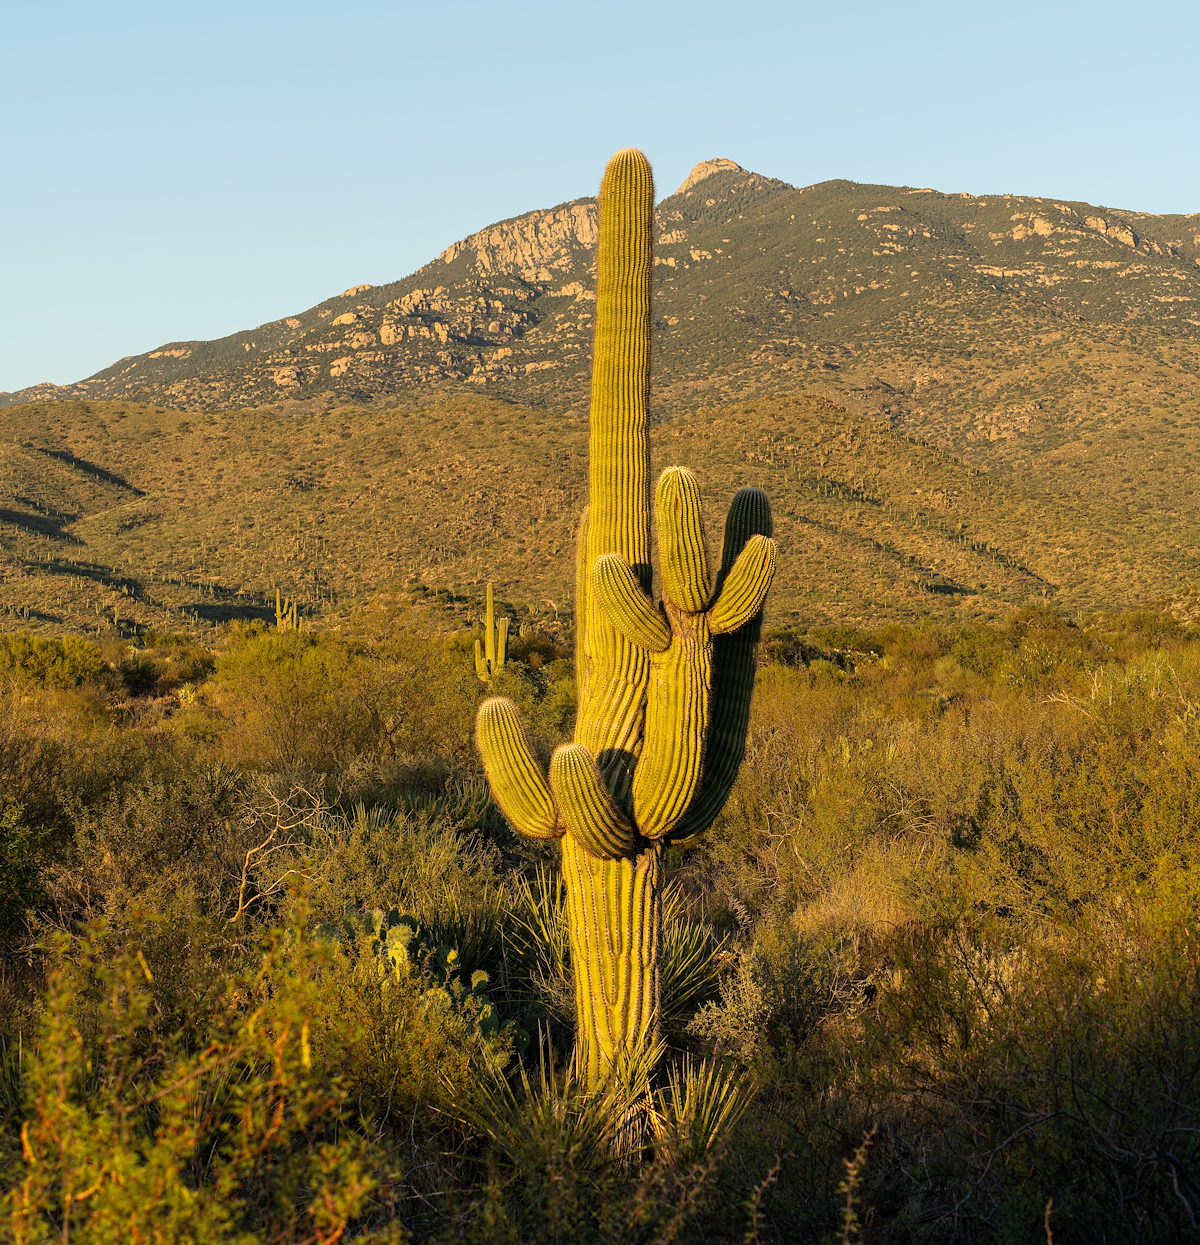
(492, 653)
(650, 762)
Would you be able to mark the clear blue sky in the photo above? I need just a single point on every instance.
(173, 171)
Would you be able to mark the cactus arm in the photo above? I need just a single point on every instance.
(677, 708)
(513, 770)
(626, 606)
(677, 699)
(591, 814)
(502, 643)
(682, 553)
(481, 670)
(745, 587)
(733, 675)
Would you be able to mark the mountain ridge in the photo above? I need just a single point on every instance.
(959, 406)
(511, 300)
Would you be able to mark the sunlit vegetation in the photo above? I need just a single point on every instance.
(274, 970)
(116, 518)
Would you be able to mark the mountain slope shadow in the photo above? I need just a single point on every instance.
(50, 525)
(90, 468)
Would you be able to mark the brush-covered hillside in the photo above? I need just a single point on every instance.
(136, 516)
(958, 404)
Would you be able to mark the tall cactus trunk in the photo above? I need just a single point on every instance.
(614, 905)
(649, 761)
(612, 673)
(614, 918)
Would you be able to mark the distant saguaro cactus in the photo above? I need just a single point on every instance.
(491, 653)
(286, 618)
(650, 763)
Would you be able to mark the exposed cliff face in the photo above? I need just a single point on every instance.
(532, 247)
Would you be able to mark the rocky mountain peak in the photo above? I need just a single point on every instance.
(706, 168)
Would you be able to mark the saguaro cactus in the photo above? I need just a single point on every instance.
(286, 618)
(492, 653)
(651, 763)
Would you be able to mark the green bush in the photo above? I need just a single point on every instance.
(130, 1134)
(69, 662)
(301, 704)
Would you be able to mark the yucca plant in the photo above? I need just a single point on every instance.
(693, 956)
(618, 1161)
(696, 1108)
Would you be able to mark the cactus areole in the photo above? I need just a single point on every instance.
(664, 689)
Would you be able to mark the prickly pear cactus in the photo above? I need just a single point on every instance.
(402, 952)
(664, 688)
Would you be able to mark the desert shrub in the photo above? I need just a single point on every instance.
(421, 863)
(68, 662)
(969, 841)
(129, 1133)
(165, 855)
(780, 989)
(160, 664)
(1056, 1070)
(846, 637)
(139, 673)
(180, 659)
(1130, 635)
(59, 753)
(981, 649)
(33, 816)
(405, 1020)
(22, 852)
(144, 840)
(282, 704)
(302, 704)
(536, 649)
